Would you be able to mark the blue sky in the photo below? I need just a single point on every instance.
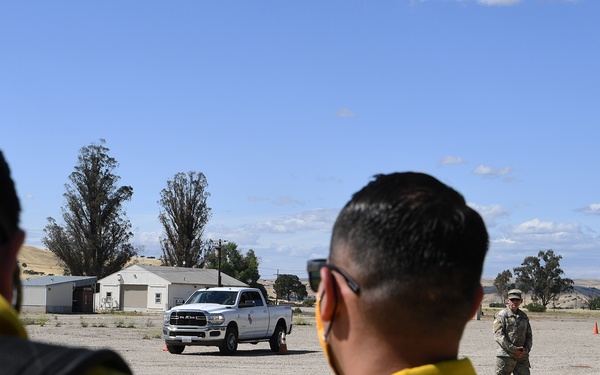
(289, 107)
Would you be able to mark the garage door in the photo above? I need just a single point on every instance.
(134, 296)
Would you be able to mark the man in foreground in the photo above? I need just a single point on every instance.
(17, 354)
(512, 332)
(402, 279)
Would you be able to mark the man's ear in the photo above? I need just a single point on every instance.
(9, 251)
(476, 301)
(328, 292)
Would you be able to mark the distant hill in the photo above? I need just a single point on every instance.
(37, 262)
(41, 262)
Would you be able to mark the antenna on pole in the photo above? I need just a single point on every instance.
(276, 294)
(218, 248)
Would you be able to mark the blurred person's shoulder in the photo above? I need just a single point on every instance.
(22, 356)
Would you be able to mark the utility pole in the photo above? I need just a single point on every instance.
(218, 249)
(219, 284)
(277, 294)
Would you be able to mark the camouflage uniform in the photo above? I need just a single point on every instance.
(512, 330)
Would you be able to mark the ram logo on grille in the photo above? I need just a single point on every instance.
(188, 318)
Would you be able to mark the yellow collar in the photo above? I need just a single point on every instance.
(456, 367)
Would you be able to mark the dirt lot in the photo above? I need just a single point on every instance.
(563, 344)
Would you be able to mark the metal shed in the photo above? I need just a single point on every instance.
(156, 288)
(59, 294)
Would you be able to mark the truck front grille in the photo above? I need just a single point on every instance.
(188, 318)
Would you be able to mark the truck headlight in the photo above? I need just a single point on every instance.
(166, 318)
(215, 319)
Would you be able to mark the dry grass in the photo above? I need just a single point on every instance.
(46, 263)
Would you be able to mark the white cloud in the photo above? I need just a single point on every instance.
(590, 209)
(149, 241)
(344, 112)
(287, 201)
(492, 172)
(538, 227)
(490, 213)
(284, 242)
(245, 238)
(281, 201)
(498, 2)
(312, 221)
(452, 160)
(504, 240)
(535, 235)
(319, 219)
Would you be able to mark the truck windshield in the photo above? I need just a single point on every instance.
(212, 296)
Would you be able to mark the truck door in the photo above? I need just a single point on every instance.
(245, 316)
(261, 316)
(253, 319)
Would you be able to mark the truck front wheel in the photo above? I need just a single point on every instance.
(275, 340)
(230, 344)
(175, 349)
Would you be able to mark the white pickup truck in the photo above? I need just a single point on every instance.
(224, 317)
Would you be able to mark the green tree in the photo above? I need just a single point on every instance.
(242, 267)
(502, 283)
(288, 285)
(592, 301)
(542, 276)
(94, 240)
(183, 216)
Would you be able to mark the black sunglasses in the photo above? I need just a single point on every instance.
(313, 267)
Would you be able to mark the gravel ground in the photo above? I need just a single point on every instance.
(563, 344)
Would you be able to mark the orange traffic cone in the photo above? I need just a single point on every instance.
(282, 345)
(596, 329)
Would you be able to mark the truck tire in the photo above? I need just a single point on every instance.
(230, 344)
(275, 340)
(175, 349)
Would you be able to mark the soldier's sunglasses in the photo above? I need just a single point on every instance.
(313, 267)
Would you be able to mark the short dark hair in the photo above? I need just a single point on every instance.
(408, 235)
(9, 203)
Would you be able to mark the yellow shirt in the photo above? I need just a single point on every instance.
(456, 367)
(10, 325)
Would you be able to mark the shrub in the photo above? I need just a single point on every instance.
(535, 307)
(301, 322)
(43, 320)
(297, 310)
(150, 336)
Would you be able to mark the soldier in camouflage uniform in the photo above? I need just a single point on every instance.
(512, 332)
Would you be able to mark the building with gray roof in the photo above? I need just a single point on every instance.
(59, 294)
(145, 288)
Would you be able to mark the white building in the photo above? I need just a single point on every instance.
(147, 288)
(58, 294)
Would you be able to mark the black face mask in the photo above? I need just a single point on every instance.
(16, 302)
